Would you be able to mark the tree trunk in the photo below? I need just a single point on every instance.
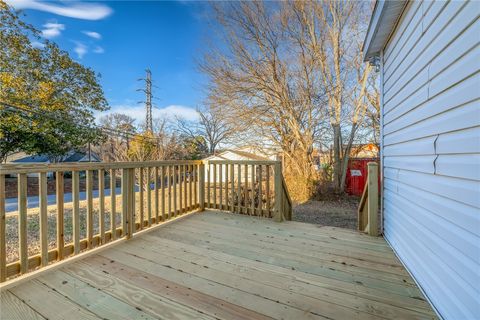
(346, 156)
(337, 170)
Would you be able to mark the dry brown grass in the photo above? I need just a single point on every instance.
(33, 227)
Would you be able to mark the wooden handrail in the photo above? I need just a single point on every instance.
(151, 192)
(367, 214)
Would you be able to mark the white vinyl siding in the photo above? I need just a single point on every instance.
(431, 151)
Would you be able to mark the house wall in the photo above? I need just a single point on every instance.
(431, 151)
(227, 156)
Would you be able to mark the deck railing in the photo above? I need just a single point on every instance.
(120, 199)
(368, 208)
(254, 188)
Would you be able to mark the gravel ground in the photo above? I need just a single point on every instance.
(339, 212)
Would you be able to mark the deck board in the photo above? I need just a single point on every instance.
(216, 265)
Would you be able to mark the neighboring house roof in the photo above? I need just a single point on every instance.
(34, 158)
(384, 19)
(225, 156)
(74, 156)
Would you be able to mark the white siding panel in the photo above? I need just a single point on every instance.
(463, 141)
(456, 298)
(445, 56)
(459, 94)
(425, 146)
(465, 191)
(465, 166)
(459, 118)
(410, 56)
(461, 69)
(413, 163)
(459, 214)
(432, 13)
(438, 55)
(463, 255)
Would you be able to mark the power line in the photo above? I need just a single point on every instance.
(51, 115)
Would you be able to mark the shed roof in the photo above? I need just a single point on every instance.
(222, 155)
(382, 23)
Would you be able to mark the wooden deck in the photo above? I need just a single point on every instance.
(215, 265)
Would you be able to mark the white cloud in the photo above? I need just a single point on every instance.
(93, 34)
(80, 49)
(79, 10)
(138, 112)
(98, 49)
(38, 45)
(52, 30)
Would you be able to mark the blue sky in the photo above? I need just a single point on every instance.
(120, 39)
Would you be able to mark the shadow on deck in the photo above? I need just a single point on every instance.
(216, 265)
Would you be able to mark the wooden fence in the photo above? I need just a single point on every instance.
(151, 192)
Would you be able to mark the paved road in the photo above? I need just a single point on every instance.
(11, 204)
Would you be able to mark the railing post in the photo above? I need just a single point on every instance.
(125, 210)
(278, 215)
(131, 205)
(372, 198)
(201, 186)
(3, 236)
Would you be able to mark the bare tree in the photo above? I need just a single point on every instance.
(119, 129)
(211, 130)
(293, 75)
(266, 88)
(332, 31)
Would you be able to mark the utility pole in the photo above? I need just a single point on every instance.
(148, 101)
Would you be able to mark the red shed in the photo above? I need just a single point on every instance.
(357, 175)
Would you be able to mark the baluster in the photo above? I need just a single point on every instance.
(133, 196)
(195, 188)
(3, 236)
(76, 211)
(208, 185)
(226, 187)
(149, 197)
(268, 168)
(89, 185)
(180, 193)
(156, 195)
(185, 189)
(169, 173)
(278, 192)
(113, 209)
(141, 202)
(60, 212)
(253, 190)
(215, 202)
(201, 185)
(131, 203)
(124, 201)
(22, 221)
(239, 188)
(260, 199)
(175, 191)
(245, 191)
(232, 183)
(43, 219)
(190, 180)
(162, 184)
(220, 180)
(101, 207)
